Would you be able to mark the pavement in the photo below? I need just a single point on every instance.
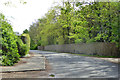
(63, 65)
(36, 62)
(27, 74)
(74, 66)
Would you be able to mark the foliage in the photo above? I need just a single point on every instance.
(27, 42)
(99, 56)
(0, 43)
(22, 48)
(0, 51)
(25, 31)
(33, 47)
(10, 44)
(76, 23)
(9, 47)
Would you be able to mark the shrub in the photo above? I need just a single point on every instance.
(22, 48)
(26, 38)
(0, 43)
(0, 52)
(34, 47)
(9, 47)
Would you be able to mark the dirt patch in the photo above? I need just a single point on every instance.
(48, 67)
(19, 63)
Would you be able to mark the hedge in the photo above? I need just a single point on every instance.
(9, 47)
(22, 48)
(26, 40)
(12, 45)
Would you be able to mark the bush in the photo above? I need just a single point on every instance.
(34, 47)
(9, 47)
(22, 48)
(0, 52)
(26, 39)
(0, 43)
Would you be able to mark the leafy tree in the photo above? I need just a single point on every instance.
(25, 31)
(76, 23)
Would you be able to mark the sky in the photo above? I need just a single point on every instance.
(21, 16)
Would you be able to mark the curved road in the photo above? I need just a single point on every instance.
(73, 66)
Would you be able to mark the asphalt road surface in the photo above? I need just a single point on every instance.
(74, 66)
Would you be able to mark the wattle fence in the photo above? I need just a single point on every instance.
(96, 48)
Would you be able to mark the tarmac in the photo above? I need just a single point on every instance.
(114, 60)
(28, 63)
(36, 62)
(66, 65)
(63, 65)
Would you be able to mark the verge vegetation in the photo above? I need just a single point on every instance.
(12, 47)
(77, 23)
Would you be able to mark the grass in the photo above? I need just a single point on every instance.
(52, 75)
(94, 55)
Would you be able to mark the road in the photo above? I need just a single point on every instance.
(74, 66)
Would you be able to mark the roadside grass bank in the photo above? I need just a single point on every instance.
(95, 55)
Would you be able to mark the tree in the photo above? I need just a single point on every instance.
(94, 22)
(26, 31)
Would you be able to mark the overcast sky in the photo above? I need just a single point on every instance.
(21, 16)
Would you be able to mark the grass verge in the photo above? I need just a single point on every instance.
(94, 55)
